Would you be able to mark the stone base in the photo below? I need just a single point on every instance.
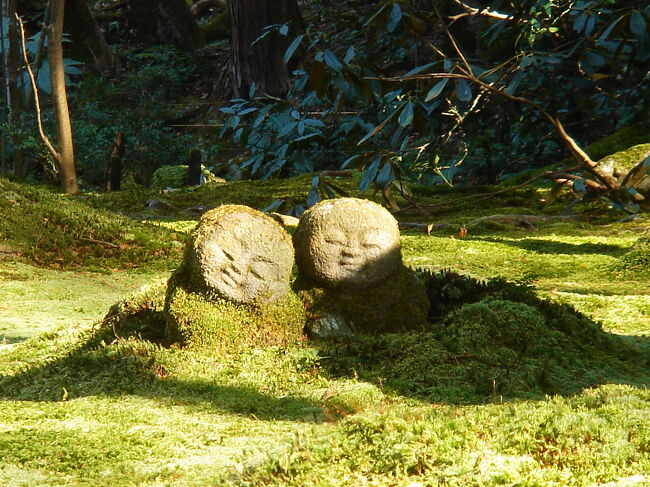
(398, 304)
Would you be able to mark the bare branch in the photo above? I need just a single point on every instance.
(37, 103)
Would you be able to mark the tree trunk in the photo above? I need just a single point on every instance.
(165, 22)
(114, 169)
(261, 62)
(65, 151)
(84, 29)
(13, 97)
(194, 168)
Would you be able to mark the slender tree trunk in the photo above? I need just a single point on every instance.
(194, 168)
(65, 150)
(83, 27)
(10, 64)
(114, 168)
(260, 61)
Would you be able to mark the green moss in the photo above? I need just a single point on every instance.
(621, 162)
(56, 230)
(141, 313)
(638, 257)
(619, 141)
(169, 177)
(398, 304)
(196, 318)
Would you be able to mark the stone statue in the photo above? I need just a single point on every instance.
(242, 255)
(350, 270)
(232, 289)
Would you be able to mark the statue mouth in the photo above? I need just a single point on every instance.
(351, 263)
(230, 280)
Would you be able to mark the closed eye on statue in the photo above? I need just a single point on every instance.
(228, 254)
(335, 241)
(256, 274)
(371, 245)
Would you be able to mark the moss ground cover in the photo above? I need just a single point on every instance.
(79, 406)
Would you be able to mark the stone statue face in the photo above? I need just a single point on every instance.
(245, 258)
(348, 242)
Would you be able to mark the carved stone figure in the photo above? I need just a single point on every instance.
(232, 289)
(351, 273)
(346, 242)
(242, 255)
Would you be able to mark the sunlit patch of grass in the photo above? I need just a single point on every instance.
(34, 299)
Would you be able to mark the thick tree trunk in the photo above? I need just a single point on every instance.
(261, 62)
(166, 22)
(83, 27)
(65, 151)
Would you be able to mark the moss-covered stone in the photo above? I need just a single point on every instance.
(220, 297)
(198, 318)
(176, 177)
(394, 305)
(621, 163)
(347, 242)
(241, 254)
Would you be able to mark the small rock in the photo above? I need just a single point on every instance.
(329, 326)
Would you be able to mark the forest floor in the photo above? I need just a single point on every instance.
(78, 409)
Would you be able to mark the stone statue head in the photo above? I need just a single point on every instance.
(347, 241)
(242, 254)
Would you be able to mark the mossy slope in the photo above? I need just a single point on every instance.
(60, 231)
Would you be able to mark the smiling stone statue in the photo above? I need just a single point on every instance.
(351, 275)
(348, 242)
(233, 286)
(242, 255)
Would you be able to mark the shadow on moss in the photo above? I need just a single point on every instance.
(487, 340)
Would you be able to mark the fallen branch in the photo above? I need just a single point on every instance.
(100, 242)
(523, 219)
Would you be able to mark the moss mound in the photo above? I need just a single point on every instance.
(197, 318)
(396, 305)
(488, 338)
(60, 231)
(141, 314)
(169, 177)
(638, 257)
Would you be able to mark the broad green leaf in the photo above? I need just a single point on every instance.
(435, 91)
(251, 90)
(349, 55)
(292, 48)
(312, 197)
(580, 22)
(284, 29)
(637, 23)
(463, 90)
(347, 162)
(406, 116)
(378, 128)
(386, 175)
(275, 204)
(419, 69)
(394, 18)
(369, 174)
(603, 37)
(332, 61)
